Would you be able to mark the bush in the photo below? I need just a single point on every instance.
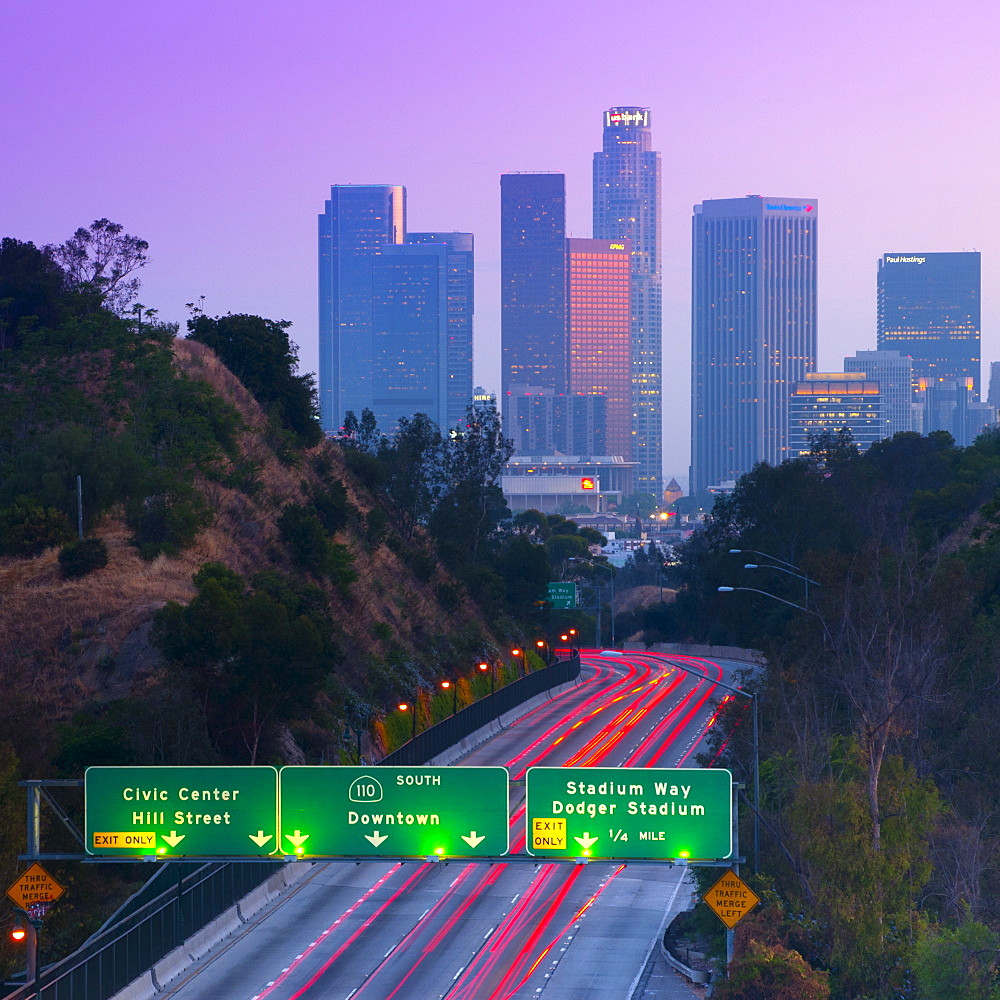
(303, 534)
(168, 521)
(82, 557)
(422, 565)
(27, 528)
(449, 596)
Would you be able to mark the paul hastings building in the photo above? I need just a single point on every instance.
(753, 330)
(928, 308)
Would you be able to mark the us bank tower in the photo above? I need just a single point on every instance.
(627, 208)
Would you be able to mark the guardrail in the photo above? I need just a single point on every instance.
(164, 914)
(117, 954)
(438, 738)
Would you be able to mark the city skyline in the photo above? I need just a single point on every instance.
(216, 144)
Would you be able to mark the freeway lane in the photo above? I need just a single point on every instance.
(460, 930)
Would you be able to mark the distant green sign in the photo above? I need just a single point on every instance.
(175, 811)
(393, 811)
(611, 812)
(562, 595)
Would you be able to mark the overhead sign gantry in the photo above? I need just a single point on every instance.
(657, 814)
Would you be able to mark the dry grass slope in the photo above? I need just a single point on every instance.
(64, 641)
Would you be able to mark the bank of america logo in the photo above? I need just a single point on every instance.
(789, 208)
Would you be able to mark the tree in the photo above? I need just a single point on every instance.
(260, 354)
(772, 972)
(32, 285)
(100, 259)
(957, 963)
(416, 472)
(362, 434)
(256, 657)
(474, 506)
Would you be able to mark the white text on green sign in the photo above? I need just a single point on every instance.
(175, 811)
(394, 811)
(607, 812)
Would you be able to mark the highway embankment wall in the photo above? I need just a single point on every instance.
(695, 649)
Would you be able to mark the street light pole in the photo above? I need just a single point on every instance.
(412, 709)
(516, 653)
(493, 679)
(781, 569)
(752, 590)
(454, 694)
(756, 753)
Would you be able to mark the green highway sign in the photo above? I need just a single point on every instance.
(562, 595)
(176, 811)
(621, 812)
(394, 811)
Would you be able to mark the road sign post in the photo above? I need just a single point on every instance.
(177, 811)
(393, 811)
(33, 892)
(609, 812)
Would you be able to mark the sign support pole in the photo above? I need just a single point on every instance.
(34, 821)
(731, 931)
(31, 956)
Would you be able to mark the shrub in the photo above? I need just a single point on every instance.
(81, 557)
(27, 528)
(449, 596)
(303, 534)
(421, 564)
(168, 521)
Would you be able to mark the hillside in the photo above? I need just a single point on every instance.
(72, 641)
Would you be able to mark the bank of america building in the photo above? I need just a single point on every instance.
(753, 330)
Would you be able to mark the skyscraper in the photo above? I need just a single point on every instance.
(533, 282)
(460, 265)
(828, 402)
(627, 207)
(928, 308)
(599, 324)
(409, 285)
(358, 221)
(753, 330)
(894, 374)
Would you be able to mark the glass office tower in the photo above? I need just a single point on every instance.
(753, 330)
(533, 282)
(359, 219)
(599, 321)
(928, 308)
(409, 289)
(627, 207)
(894, 374)
(460, 264)
(829, 402)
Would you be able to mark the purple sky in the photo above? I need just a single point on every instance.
(214, 130)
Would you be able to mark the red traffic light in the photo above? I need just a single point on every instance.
(18, 932)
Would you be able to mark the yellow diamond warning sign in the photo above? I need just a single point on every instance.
(731, 899)
(548, 833)
(36, 885)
